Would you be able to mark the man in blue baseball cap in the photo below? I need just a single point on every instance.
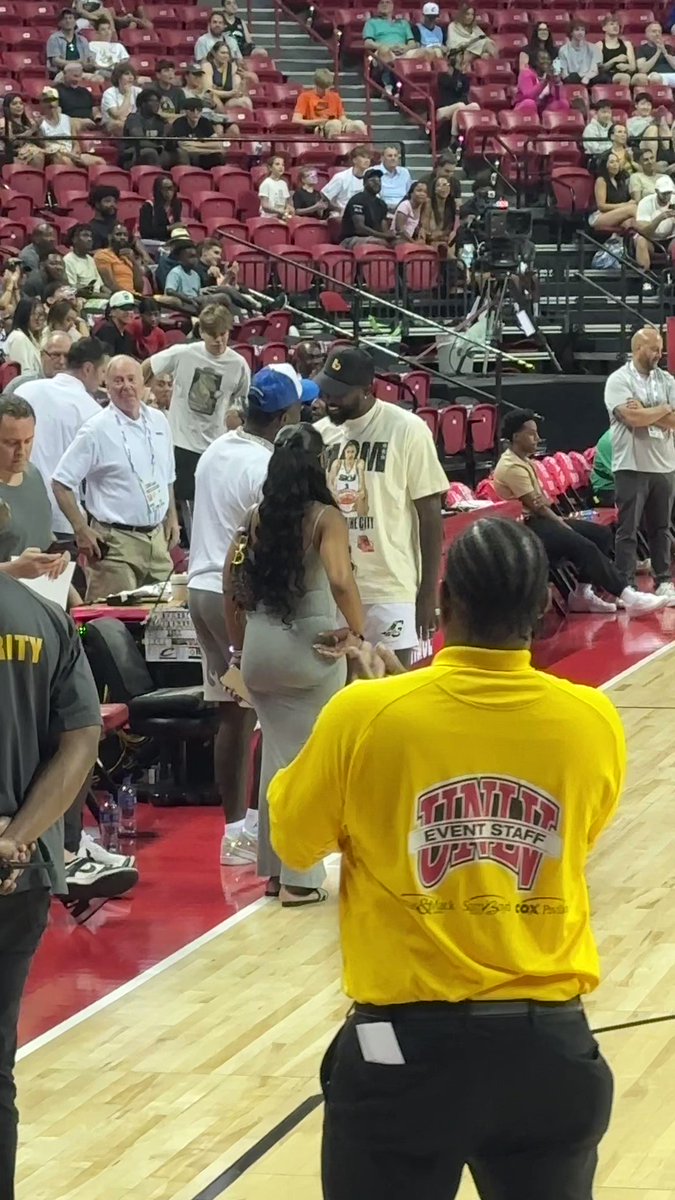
(228, 483)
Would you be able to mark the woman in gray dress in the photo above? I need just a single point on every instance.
(296, 582)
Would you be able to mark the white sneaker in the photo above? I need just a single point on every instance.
(238, 851)
(90, 848)
(88, 880)
(639, 604)
(584, 600)
(667, 590)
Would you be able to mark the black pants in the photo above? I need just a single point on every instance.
(186, 465)
(522, 1098)
(23, 919)
(650, 494)
(586, 546)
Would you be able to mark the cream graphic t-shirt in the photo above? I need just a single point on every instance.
(378, 466)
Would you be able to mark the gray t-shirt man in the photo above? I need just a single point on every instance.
(25, 515)
(648, 449)
(47, 689)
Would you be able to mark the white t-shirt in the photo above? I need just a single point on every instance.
(108, 54)
(379, 465)
(276, 193)
(228, 483)
(128, 466)
(648, 209)
(114, 98)
(342, 187)
(61, 406)
(61, 128)
(204, 388)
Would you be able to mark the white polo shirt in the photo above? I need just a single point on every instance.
(61, 406)
(127, 465)
(228, 483)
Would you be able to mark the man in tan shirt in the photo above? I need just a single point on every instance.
(584, 544)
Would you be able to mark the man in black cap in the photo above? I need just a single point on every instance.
(365, 218)
(386, 478)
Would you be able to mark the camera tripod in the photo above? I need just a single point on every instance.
(500, 288)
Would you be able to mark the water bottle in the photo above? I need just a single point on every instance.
(126, 803)
(109, 822)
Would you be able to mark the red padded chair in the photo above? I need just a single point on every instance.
(560, 154)
(486, 490)
(174, 337)
(336, 262)
(483, 426)
(475, 127)
(248, 353)
(386, 389)
(209, 204)
(8, 372)
(417, 386)
(190, 180)
(458, 495)
(266, 232)
(231, 181)
(558, 22)
(493, 70)
(253, 329)
(114, 176)
(490, 96)
(128, 207)
(293, 273)
(143, 180)
(420, 267)
(377, 269)
(254, 268)
(28, 181)
(453, 427)
(273, 353)
(573, 190)
(519, 122)
(307, 232)
(430, 416)
(569, 123)
(235, 229)
(618, 95)
(278, 326)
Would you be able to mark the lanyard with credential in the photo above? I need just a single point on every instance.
(150, 490)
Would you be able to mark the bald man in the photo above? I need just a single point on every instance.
(640, 399)
(125, 456)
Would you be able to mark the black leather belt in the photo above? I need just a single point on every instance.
(472, 1008)
(130, 528)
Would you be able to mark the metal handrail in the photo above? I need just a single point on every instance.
(331, 44)
(427, 123)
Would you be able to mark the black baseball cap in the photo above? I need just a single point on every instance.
(345, 368)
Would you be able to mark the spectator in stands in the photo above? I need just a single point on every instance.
(198, 136)
(409, 216)
(81, 270)
(366, 216)
(91, 11)
(114, 332)
(63, 318)
(308, 201)
(446, 165)
(345, 184)
(159, 392)
(208, 379)
(617, 56)
(125, 444)
(60, 144)
(596, 138)
(222, 80)
(23, 344)
(643, 181)
(215, 32)
(42, 240)
(619, 145)
(103, 198)
(396, 180)
(67, 44)
(388, 38)
(453, 92)
(50, 270)
(149, 131)
(428, 33)
(219, 281)
(654, 59)
(10, 290)
(440, 221)
(585, 544)
(119, 100)
(53, 352)
(464, 34)
(157, 218)
(321, 109)
(196, 89)
(170, 93)
(106, 52)
(184, 281)
(21, 133)
(615, 209)
(238, 31)
(540, 39)
(145, 331)
(539, 89)
(642, 125)
(76, 101)
(120, 267)
(578, 60)
(655, 220)
(275, 197)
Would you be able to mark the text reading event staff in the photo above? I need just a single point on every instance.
(125, 457)
(465, 798)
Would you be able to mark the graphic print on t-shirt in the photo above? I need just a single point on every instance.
(503, 820)
(347, 470)
(204, 391)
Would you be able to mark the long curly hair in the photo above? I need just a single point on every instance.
(273, 573)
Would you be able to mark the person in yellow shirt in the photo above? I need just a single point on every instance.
(465, 798)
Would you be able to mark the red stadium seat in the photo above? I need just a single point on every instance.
(573, 190)
(489, 96)
(292, 273)
(253, 329)
(386, 389)
(377, 269)
(453, 426)
(163, 16)
(209, 204)
(336, 262)
(519, 122)
(558, 22)
(189, 180)
(26, 180)
(569, 123)
(417, 385)
(8, 372)
(143, 180)
(493, 70)
(560, 154)
(128, 207)
(618, 95)
(483, 427)
(249, 353)
(511, 20)
(486, 490)
(254, 268)
(420, 266)
(228, 231)
(231, 181)
(248, 206)
(266, 232)
(278, 325)
(430, 416)
(475, 128)
(273, 353)
(307, 232)
(509, 45)
(114, 176)
(175, 337)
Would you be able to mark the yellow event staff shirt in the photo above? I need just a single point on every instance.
(465, 798)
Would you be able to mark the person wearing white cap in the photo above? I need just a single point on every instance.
(654, 220)
(429, 33)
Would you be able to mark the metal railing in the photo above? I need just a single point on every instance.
(332, 44)
(426, 123)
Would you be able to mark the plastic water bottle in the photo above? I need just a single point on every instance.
(109, 822)
(126, 803)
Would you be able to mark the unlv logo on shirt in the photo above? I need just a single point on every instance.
(482, 817)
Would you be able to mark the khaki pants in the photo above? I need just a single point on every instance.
(133, 560)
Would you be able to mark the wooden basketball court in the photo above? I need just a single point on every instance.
(162, 1092)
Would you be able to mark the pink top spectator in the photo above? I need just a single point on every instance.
(534, 94)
